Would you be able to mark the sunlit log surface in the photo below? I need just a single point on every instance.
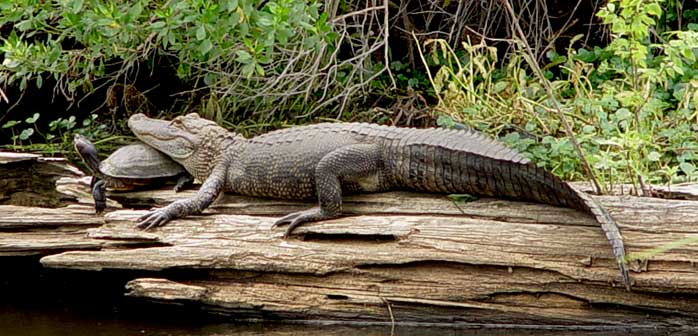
(399, 257)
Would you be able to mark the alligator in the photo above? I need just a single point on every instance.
(323, 161)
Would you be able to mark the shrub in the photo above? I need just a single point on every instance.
(633, 103)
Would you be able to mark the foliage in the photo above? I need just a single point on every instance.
(75, 40)
(633, 103)
(240, 55)
(60, 132)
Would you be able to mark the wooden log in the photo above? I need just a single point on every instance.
(30, 180)
(36, 216)
(400, 257)
(421, 257)
(27, 231)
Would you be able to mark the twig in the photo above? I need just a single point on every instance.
(551, 94)
(426, 67)
(362, 11)
(390, 311)
(386, 52)
(4, 97)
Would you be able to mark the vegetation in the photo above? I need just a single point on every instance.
(629, 90)
(633, 104)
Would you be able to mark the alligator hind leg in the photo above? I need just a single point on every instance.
(350, 163)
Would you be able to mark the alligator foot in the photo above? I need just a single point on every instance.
(153, 219)
(296, 219)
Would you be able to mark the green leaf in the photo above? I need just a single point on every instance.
(201, 34)
(611, 7)
(265, 20)
(11, 123)
(654, 9)
(654, 156)
(500, 86)
(229, 5)
(687, 168)
(623, 114)
(76, 6)
(243, 56)
(205, 47)
(588, 129)
(32, 119)
(445, 121)
(135, 10)
(26, 133)
(248, 70)
(462, 198)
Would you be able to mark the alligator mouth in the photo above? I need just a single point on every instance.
(162, 135)
(141, 125)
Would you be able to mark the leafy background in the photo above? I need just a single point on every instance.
(623, 72)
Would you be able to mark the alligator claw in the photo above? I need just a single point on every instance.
(296, 219)
(153, 219)
(624, 272)
(293, 220)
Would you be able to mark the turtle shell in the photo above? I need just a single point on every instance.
(140, 161)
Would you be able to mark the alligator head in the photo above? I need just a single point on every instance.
(194, 142)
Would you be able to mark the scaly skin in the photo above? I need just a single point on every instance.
(101, 181)
(324, 161)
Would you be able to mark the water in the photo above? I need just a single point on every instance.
(44, 302)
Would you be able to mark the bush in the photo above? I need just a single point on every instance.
(633, 104)
(249, 50)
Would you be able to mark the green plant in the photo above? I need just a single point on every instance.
(262, 60)
(58, 137)
(632, 104)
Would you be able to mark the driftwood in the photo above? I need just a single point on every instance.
(411, 258)
(400, 257)
(29, 180)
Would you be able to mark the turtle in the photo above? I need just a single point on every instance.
(128, 168)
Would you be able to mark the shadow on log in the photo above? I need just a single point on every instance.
(30, 180)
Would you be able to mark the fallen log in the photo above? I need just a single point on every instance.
(400, 257)
(30, 180)
(410, 257)
(36, 217)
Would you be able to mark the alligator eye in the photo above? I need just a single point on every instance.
(177, 122)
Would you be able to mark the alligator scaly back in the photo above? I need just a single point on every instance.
(464, 161)
(323, 161)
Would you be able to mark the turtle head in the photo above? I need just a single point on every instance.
(87, 152)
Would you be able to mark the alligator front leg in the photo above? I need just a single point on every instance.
(350, 162)
(208, 192)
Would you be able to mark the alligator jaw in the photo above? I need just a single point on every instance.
(168, 137)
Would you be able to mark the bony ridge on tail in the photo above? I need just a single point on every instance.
(323, 161)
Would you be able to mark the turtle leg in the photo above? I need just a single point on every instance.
(184, 181)
(99, 194)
